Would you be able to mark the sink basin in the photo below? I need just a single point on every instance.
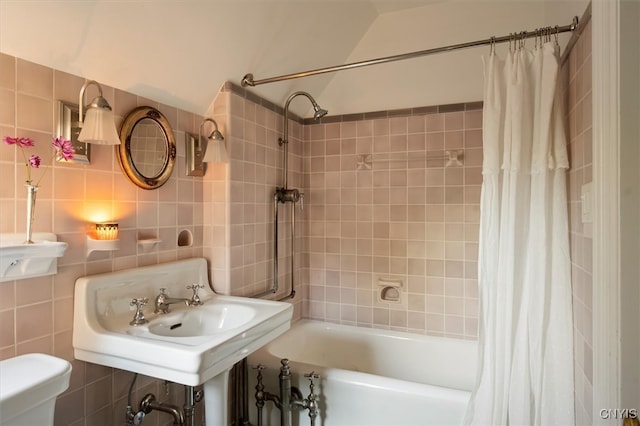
(203, 321)
(188, 345)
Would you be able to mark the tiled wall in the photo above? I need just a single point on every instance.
(404, 216)
(253, 127)
(414, 220)
(577, 72)
(36, 314)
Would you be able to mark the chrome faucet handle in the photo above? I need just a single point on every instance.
(161, 307)
(311, 402)
(195, 299)
(312, 376)
(138, 317)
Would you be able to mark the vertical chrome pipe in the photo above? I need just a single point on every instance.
(189, 408)
(276, 201)
(285, 393)
(292, 294)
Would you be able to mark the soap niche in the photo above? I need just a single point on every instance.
(185, 238)
(390, 291)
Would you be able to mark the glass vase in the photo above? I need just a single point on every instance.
(31, 206)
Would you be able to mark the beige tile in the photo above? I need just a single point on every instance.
(34, 113)
(34, 321)
(434, 122)
(7, 295)
(7, 71)
(34, 79)
(7, 328)
(34, 290)
(7, 109)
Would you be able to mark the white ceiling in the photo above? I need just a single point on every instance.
(180, 52)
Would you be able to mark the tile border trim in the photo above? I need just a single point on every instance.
(404, 112)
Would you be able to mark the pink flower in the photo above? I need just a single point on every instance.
(63, 147)
(21, 142)
(34, 161)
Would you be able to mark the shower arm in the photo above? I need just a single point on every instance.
(285, 139)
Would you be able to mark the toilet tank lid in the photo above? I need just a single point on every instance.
(28, 380)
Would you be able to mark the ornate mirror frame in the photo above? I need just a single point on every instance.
(124, 149)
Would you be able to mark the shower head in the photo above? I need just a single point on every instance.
(318, 112)
(284, 140)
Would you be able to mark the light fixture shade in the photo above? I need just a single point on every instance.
(99, 127)
(216, 152)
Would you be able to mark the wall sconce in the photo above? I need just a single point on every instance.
(105, 238)
(99, 125)
(215, 150)
(107, 231)
(71, 120)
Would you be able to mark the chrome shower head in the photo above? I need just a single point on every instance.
(318, 112)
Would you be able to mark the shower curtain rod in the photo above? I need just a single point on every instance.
(248, 80)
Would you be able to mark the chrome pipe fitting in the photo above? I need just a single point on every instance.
(290, 398)
(148, 404)
(287, 195)
(184, 416)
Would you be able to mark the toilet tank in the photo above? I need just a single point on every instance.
(29, 385)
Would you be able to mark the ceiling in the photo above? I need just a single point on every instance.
(180, 52)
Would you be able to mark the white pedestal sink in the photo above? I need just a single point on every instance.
(189, 345)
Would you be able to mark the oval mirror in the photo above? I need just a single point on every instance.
(147, 152)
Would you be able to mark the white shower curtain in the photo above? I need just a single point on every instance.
(526, 339)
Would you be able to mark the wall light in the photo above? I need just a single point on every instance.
(103, 238)
(107, 231)
(98, 126)
(215, 149)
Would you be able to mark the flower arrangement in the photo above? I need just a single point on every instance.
(62, 150)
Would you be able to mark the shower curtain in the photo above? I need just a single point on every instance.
(526, 340)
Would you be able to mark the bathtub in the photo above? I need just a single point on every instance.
(370, 377)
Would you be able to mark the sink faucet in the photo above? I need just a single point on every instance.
(163, 301)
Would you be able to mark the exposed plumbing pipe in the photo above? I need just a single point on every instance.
(286, 195)
(290, 397)
(318, 113)
(149, 403)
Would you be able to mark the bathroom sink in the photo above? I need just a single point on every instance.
(190, 344)
(202, 321)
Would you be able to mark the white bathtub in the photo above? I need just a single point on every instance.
(370, 377)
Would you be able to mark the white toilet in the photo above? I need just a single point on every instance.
(29, 385)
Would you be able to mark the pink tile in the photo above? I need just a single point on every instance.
(7, 328)
(7, 108)
(434, 122)
(34, 321)
(34, 79)
(34, 113)
(454, 120)
(34, 290)
(7, 71)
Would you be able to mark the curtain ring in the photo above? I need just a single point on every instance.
(492, 48)
(557, 32)
(510, 41)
